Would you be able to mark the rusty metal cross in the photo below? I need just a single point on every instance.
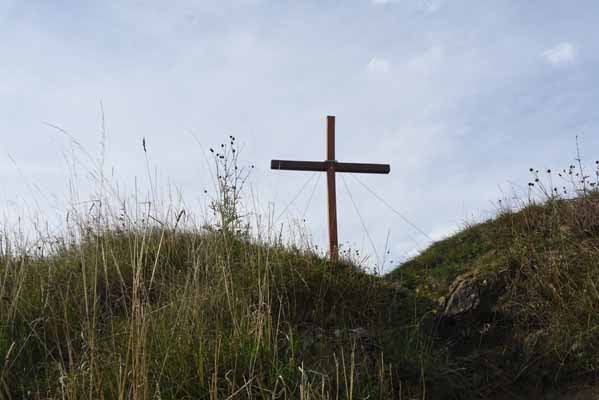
(331, 166)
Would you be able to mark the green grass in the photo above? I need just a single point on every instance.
(123, 308)
(157, 313)
(434, 269)
(537, 271)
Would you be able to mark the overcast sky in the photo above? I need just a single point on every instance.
(460, 97)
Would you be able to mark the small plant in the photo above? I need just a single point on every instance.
(230, 179)
(571, 182)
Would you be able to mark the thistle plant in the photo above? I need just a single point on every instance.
(573, 180)
(230, 179)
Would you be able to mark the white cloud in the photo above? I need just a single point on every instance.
(431, 6)
(427, 59)
(561, 54)
(378, 66)
(383, 2)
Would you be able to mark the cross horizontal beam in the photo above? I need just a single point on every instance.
(322, 166)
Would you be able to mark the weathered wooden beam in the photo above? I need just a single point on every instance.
(331, 190)
(322, 166)
(298, 165)
(362, 168)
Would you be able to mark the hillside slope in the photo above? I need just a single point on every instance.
(518, 295)
(161, 313)
(504, 309)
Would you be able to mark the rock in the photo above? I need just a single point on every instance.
(463, 297)
(471, 294)
(470, 308)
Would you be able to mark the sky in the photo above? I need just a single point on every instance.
(460, 97)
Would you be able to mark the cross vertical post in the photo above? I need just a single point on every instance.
(331, 189)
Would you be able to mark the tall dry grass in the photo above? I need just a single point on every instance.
(146, 302)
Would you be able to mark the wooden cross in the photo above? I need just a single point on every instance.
(331, 165)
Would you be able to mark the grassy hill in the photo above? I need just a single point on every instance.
(519, 295)
(158, 313)
(152, 310)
